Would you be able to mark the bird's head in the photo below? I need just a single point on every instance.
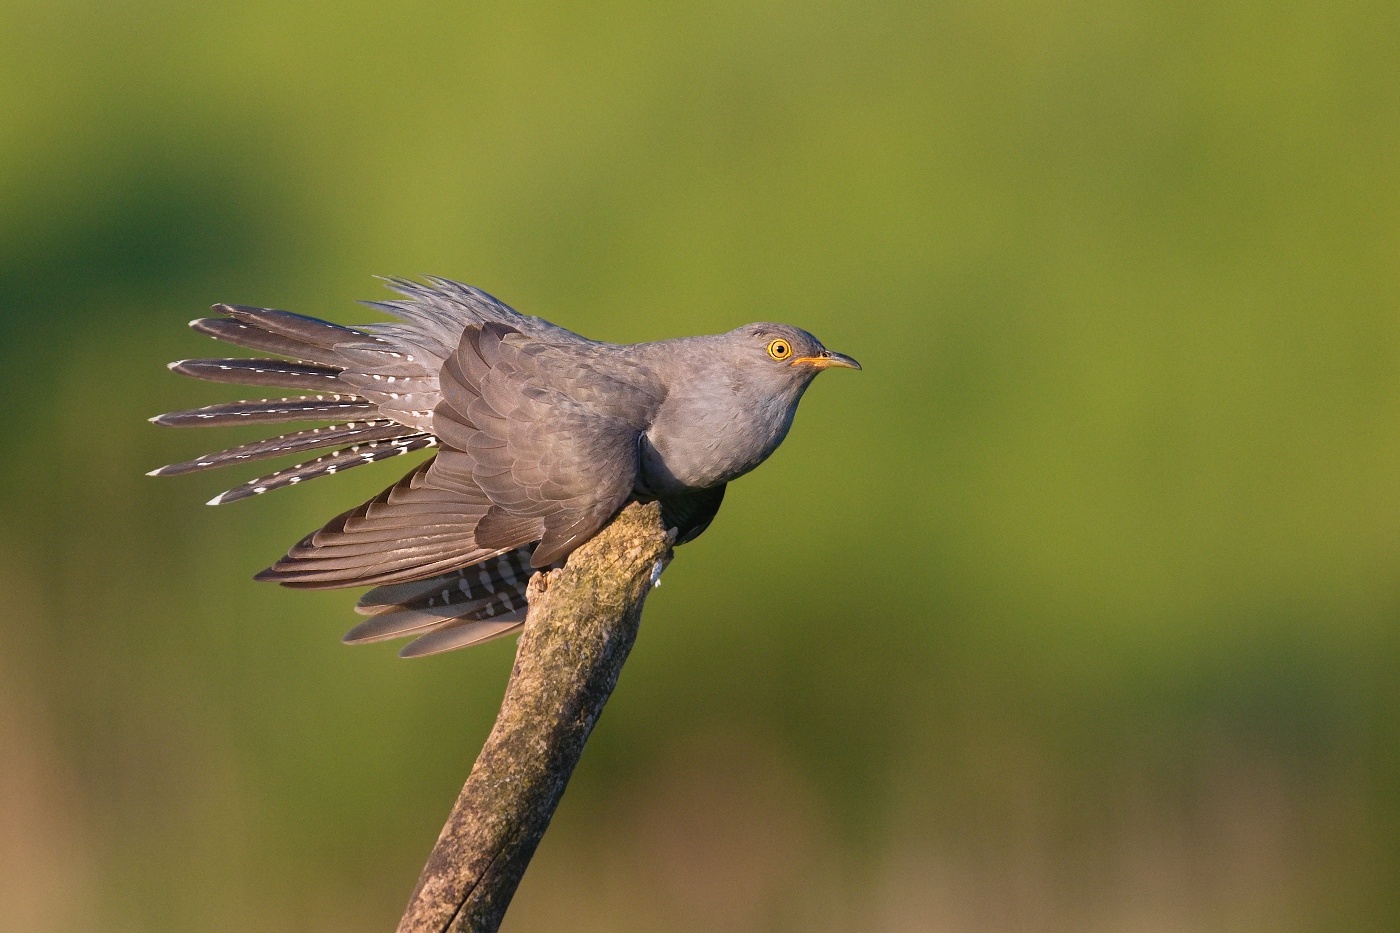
(787, 354)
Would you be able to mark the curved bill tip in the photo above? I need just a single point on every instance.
(827, 359)
(831, 358)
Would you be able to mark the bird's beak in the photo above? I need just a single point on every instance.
(826, 360)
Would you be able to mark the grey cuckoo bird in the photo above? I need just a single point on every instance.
(541, 436)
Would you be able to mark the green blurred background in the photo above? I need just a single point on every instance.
(1075, 611)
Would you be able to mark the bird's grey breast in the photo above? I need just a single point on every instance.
(716, 423)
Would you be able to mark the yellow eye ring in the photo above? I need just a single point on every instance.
(779, 349)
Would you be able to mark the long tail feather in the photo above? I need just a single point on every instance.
(255, 338)
(463, 634)
(445, 627)
(269, 411)
(352, 432)
(281, 373)
(393, 625)
(510, 570)
(464, 607)
(299, 327)
(345, 459)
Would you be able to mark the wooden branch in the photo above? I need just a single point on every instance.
(582, 622)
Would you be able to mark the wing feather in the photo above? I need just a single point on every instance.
(548, 436)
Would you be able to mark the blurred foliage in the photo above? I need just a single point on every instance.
(1077, 610)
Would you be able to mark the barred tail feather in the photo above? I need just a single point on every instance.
(425, 621)
(315, 362)
(280, 373)
(246, 335)
(454, 610)
(344, 459)
(309, 331)
(352, 432)
(510, 570)
(269, 411)
(463, 635)
(393, 625)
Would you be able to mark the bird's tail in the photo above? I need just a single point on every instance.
(453, 610)
(314, 355)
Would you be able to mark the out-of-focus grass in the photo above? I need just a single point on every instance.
(1075, 610)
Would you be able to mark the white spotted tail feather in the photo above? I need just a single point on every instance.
(377, 386)
(315, 363)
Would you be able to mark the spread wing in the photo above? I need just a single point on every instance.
(410, 531)
(538, 426)
(547, 432)
(537, 443)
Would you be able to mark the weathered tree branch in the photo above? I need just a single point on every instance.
(582, 622)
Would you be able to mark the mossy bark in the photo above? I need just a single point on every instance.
(582, 622)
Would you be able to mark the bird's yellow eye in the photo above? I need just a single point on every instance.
(779, 349)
